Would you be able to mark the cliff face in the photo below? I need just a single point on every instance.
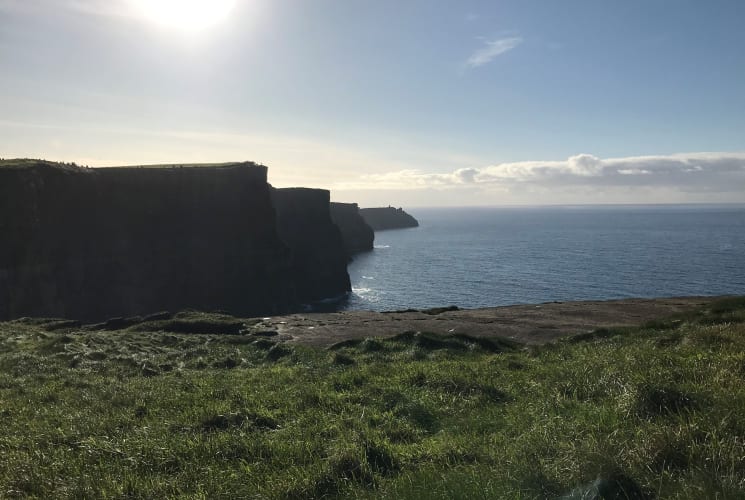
(387, 218)
(355, 233)
(319, 261)
(96, 243)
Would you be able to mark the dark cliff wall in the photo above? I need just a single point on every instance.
(96, 243)
(387, 218)
(319, 261)
(355, 233)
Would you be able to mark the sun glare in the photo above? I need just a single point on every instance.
(187, 15)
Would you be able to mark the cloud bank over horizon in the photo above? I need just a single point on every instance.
(699, 174)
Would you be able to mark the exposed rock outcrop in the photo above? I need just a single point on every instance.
(91, 244)
(319, 261)
(355, 233)
(387, 218)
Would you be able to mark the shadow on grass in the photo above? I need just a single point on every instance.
(223, 422)
(653, 401)
(428, 342)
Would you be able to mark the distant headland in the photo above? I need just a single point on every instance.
(387, 218)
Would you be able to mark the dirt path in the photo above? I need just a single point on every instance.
(530, 324)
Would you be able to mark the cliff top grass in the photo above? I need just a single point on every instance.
(30, 162)
(199, 405)
(20, 163)
(193, 165)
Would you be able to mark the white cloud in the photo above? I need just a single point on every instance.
(688, 173)
(491, 50)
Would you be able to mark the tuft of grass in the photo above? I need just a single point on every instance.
(653, 401)
(277, 351)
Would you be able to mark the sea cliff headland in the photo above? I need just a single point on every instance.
(382, 218)
(92, 243)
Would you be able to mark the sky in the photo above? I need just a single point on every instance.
(402, 102)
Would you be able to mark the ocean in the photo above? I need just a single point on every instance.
(481, 257)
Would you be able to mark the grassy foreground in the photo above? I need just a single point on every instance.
(172, 408)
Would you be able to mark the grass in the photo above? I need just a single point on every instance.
(175, 407)
(18, 163)
(30, 162)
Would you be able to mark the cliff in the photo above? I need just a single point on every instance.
(318, 257)
(356, 235)
(387, 218)
(91, 244)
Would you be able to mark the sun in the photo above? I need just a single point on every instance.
(187, 15)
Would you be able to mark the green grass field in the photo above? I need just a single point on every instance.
(171, 408)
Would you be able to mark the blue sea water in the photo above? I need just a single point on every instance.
(481, 257)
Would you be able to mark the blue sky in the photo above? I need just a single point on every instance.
(402, 102)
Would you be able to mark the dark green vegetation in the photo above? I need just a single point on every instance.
(27, 162)
(168, 407)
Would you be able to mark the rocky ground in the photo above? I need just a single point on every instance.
(529, 324)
